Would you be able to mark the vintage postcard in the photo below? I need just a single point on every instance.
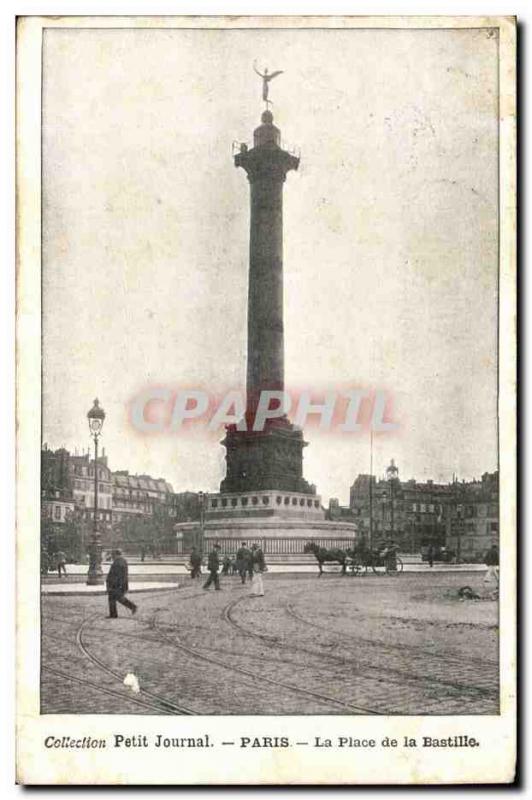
(266, 339)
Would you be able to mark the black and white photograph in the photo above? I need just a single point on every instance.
(272, 470)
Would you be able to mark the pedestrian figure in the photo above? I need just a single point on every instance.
(61, 563)
(195, 563)
(117, 585)
(390, 557)
(45, 562)
(258, 557)
(250, 567)
(213, 565)
(259, 565)
(492, 562)
(226, 564)
(430, 555)
(244, 560)
(142, 553)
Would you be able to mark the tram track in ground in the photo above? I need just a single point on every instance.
(161, 702)
(261, 678)
(248, 677)
(107, 691)
(151, 700)
(288, 607)
(393, 675)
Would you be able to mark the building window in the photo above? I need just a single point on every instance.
(244, 501)
(214, 504)
(287, 501)
(57, 513)
(224, 502)
(234, 501)
(278, 500)
(316, 504)
(265, 501)
(294, 501)
(254, 500)
(309, 503)
(302, 501)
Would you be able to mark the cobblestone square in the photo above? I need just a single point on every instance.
(330, 645)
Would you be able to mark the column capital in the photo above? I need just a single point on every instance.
(267, 162)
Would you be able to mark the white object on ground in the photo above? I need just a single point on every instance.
(132, 681)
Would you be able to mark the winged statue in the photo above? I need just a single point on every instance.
(266, 78)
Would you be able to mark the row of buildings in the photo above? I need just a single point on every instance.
(125, 501)
(461, 516)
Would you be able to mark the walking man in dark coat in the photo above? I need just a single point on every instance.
(213, 565)
(117, 585)
(244, 561)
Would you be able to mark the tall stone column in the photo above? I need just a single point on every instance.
(272, 458)
(266, 166)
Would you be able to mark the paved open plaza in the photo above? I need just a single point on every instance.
(330, 645)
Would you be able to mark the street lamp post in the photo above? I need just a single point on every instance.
(370, 543)
(459, 512)
(202, 497)
(96, 417)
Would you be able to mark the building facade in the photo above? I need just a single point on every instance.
(137, 495)
(473, 525)
(67, 495)
(81, 472)
(459, 516)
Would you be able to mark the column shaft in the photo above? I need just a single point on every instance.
(265, 367)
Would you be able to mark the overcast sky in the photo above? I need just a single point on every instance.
(390, 236)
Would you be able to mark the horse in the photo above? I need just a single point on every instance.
(323, 555)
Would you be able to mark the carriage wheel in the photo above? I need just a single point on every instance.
(398, 567)
(352, 567)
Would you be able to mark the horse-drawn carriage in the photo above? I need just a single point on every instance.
(381, 560)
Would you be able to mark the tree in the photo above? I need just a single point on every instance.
(69, 536)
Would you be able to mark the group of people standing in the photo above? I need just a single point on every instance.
(249, 564)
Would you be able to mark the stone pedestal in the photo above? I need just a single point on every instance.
(280, 522)
(269, 459)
